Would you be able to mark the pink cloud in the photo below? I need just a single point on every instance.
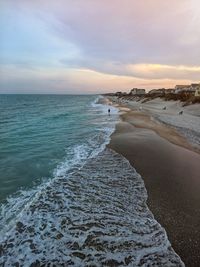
(122, 39)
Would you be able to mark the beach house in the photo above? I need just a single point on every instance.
(157, 92)
(194, 87)
(181, 88)
(169, 91)
(136, 91)
(197, 91)
(118, 93)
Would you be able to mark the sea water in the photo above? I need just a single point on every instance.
(66, 199)
(42, 136)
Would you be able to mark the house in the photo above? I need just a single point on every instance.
(161, 91)
(194, 87)
(197, 91)
(118, 93)
(136, 91)
(153, 91)
(169, 91)
(158, 92)
(181, 88)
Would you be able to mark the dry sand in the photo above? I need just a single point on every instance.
(170, 168)
(188, 124)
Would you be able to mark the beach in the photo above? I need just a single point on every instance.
(100, 133)
(92, 210)
(163, 147)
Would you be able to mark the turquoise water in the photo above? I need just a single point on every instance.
(44, 135)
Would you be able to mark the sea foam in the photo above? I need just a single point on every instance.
(96, 217)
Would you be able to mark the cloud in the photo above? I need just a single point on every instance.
(151, 31)
(133, 32)
(158, 71)
(141, 70)
(101, 43)
(76, 81)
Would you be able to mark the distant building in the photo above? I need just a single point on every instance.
(181, 88)
(136, 91)
(187, 88)
(157, 91)
(197, 91)
(194, 87)
(161, 91)
(121, 94)
(169, 91)
(151, 92)
(118, 93)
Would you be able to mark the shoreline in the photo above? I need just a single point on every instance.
(169, 166)
(167, 113)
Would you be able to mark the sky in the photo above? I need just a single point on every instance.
(98, 46)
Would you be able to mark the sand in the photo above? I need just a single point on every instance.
(188, 124)
(170, 167)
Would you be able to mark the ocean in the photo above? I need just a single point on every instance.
(66, 199)
(43, 136)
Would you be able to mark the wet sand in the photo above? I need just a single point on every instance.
(171, 171)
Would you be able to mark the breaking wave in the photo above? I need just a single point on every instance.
(96, 217)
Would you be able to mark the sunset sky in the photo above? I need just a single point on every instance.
(94, 46)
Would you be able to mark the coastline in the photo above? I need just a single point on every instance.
(87, 216)
(169, 166)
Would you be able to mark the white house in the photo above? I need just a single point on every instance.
(181, 88)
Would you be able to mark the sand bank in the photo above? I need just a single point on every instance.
(167, 112)
(170, 169)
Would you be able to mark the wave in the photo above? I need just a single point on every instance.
(104, 104)
(96, 217)
(76, 156)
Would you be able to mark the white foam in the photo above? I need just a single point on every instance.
(97, 216)
(80, 153)
(104, 105)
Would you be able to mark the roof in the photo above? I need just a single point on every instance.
(182, 86)
(136, 89)
(195, 84)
